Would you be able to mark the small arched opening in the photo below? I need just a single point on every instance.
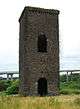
(42, 86)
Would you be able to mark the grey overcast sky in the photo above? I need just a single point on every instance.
(69, 27)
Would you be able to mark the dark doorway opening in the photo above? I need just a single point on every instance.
(42, 86)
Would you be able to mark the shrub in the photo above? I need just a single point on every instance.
(14, 88)
(63, 78)
(4, 84)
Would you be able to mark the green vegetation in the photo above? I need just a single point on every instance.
(4, 84)
(69, 98)
(13, 88)
(8, 87)
(70, 87)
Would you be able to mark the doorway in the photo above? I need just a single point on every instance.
(42, 86)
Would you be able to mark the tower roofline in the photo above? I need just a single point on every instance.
(39, 10)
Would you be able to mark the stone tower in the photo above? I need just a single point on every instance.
(39, 52)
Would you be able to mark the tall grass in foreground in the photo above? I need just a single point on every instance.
(59, 102)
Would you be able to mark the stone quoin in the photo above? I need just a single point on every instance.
(39, 52)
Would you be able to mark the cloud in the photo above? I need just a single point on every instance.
(69, 23)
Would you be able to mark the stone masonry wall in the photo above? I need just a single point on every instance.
(34, 65)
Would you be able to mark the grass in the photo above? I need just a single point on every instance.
(70, 99)
(57, 102)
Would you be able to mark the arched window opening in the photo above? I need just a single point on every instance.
(42, 43)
